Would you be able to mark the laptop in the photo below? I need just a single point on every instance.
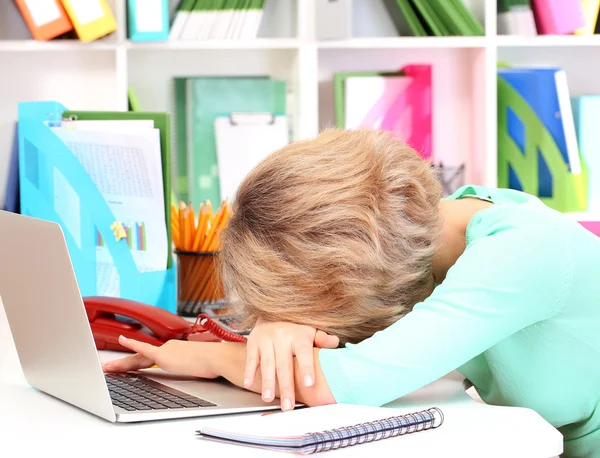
(56, 347)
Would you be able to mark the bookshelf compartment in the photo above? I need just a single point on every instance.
(371, 18)
(155, 89)
(581, 66)
(458, 97)
(84, 80)
(580, 63)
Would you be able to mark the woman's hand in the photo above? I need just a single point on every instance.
(177, 356)
(273, 346)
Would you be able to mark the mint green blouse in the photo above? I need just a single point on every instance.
(518, 315)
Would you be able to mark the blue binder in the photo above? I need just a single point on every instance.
(148, 20)
(41, 152)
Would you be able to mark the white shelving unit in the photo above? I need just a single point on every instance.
(96, 75)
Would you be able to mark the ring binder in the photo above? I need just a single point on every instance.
(42, 158)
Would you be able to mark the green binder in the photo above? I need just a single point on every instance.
(472, 26)
(180, 133)
(457, 18)
(412, 18)
(162, 121)
(199, 101)
(404, 17)
(429, 18)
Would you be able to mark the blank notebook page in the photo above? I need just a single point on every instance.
(298, 422)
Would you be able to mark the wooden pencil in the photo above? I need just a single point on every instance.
(190, 220)
(198, 233)
(210, 246)
(182, 228)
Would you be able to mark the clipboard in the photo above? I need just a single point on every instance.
(243, 140)
(41, 155)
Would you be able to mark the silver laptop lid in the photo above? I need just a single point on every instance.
(46, 315)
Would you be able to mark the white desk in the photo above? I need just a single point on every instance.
(35, 424)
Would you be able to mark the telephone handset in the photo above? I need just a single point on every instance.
(147, 323)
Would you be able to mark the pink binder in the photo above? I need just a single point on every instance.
(592, 226)
(558, 17)
(404, 108)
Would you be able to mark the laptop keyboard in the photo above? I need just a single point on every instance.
(134, 392)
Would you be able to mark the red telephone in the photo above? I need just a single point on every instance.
(152, 324)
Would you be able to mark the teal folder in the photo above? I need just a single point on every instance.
(148, 20)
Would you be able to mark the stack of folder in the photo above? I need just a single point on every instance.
(217, 19)
(548, 17)
(48, 19)
(433, 18)
(398, 102)
(224, 126)
(542, 136)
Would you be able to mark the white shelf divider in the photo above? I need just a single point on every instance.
(258, 43)
(405, 42)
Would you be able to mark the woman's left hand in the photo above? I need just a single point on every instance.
(177, 356)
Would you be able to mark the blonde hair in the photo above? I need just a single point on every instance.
(336, 232)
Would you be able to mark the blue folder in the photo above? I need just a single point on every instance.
(538, 87)
(41, 153)
(138, 30)
(532, 147)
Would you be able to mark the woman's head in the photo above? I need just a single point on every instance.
(337, 232)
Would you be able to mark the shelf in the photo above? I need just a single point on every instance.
(405, 42)
(547, 40)
(55, 45)
(584, 216)
(502, 41)
(76, 45)
(258, 43)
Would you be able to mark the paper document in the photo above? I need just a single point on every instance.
(127, 170)
(110, 125)
(243, 140)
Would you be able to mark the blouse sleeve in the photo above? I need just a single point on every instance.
(501, 284)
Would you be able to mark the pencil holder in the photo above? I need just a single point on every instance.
(199, 285)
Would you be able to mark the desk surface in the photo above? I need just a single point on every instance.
(33, 423)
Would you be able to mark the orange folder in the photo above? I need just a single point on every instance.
(46, 19)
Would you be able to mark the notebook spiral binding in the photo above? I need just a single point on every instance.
(375, 430)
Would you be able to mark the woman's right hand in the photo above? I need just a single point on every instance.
(273, 346)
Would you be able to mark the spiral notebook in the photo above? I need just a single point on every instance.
(319, 429)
